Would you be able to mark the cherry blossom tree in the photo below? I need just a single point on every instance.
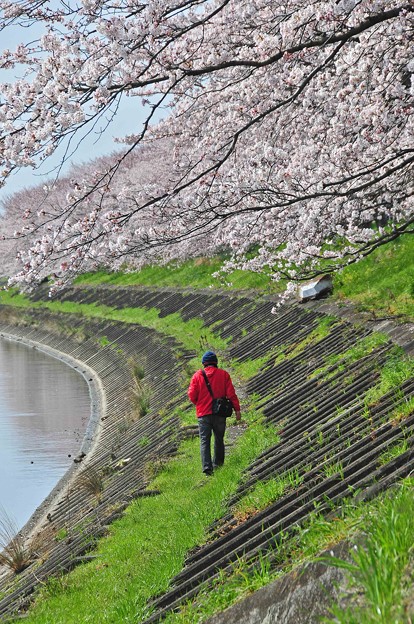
(45, 208)
(286, 126)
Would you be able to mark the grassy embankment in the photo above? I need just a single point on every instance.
(148, 545)
(382, 284)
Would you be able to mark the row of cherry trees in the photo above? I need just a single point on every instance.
(286, 125)
(44, 210)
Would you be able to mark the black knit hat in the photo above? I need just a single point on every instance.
(209, 357)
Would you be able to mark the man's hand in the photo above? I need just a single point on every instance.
(238, 416)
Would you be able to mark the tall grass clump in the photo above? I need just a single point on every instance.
(377, 569)
(141, 391)
(92, 481)
(15, 554)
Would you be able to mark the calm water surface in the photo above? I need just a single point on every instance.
(44, 410)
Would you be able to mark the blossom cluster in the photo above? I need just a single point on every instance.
(289, 130)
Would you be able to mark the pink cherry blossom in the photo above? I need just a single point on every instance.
(287, 127)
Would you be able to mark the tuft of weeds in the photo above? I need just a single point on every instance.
(123, 427)
(397, 369)
(253, 576)
(153, 468)
(333, 468)
(61, 534)
(142, 398)
(402, 411)
(103, 341)
(15, 553)
(55, 585)
(143, 441)
(266, 492)
(138, 370)
(141, 391)
(92, 481)
(393, 451)
(364, 347)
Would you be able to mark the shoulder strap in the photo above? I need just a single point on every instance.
(207, 383)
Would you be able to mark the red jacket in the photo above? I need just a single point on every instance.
(221, 385)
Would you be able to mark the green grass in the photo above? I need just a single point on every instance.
(382, 283)
(397, 369)
(393, 451)
(250, 368)
(333, 468)
(198, 273)
(340, 361)
(402, 411)
(323, 328)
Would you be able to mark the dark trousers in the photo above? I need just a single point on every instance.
(208, 425)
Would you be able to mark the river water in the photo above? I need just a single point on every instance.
(44, 409)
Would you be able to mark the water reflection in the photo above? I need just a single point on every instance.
(44, 409)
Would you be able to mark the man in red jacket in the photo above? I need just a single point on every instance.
(198, 393)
